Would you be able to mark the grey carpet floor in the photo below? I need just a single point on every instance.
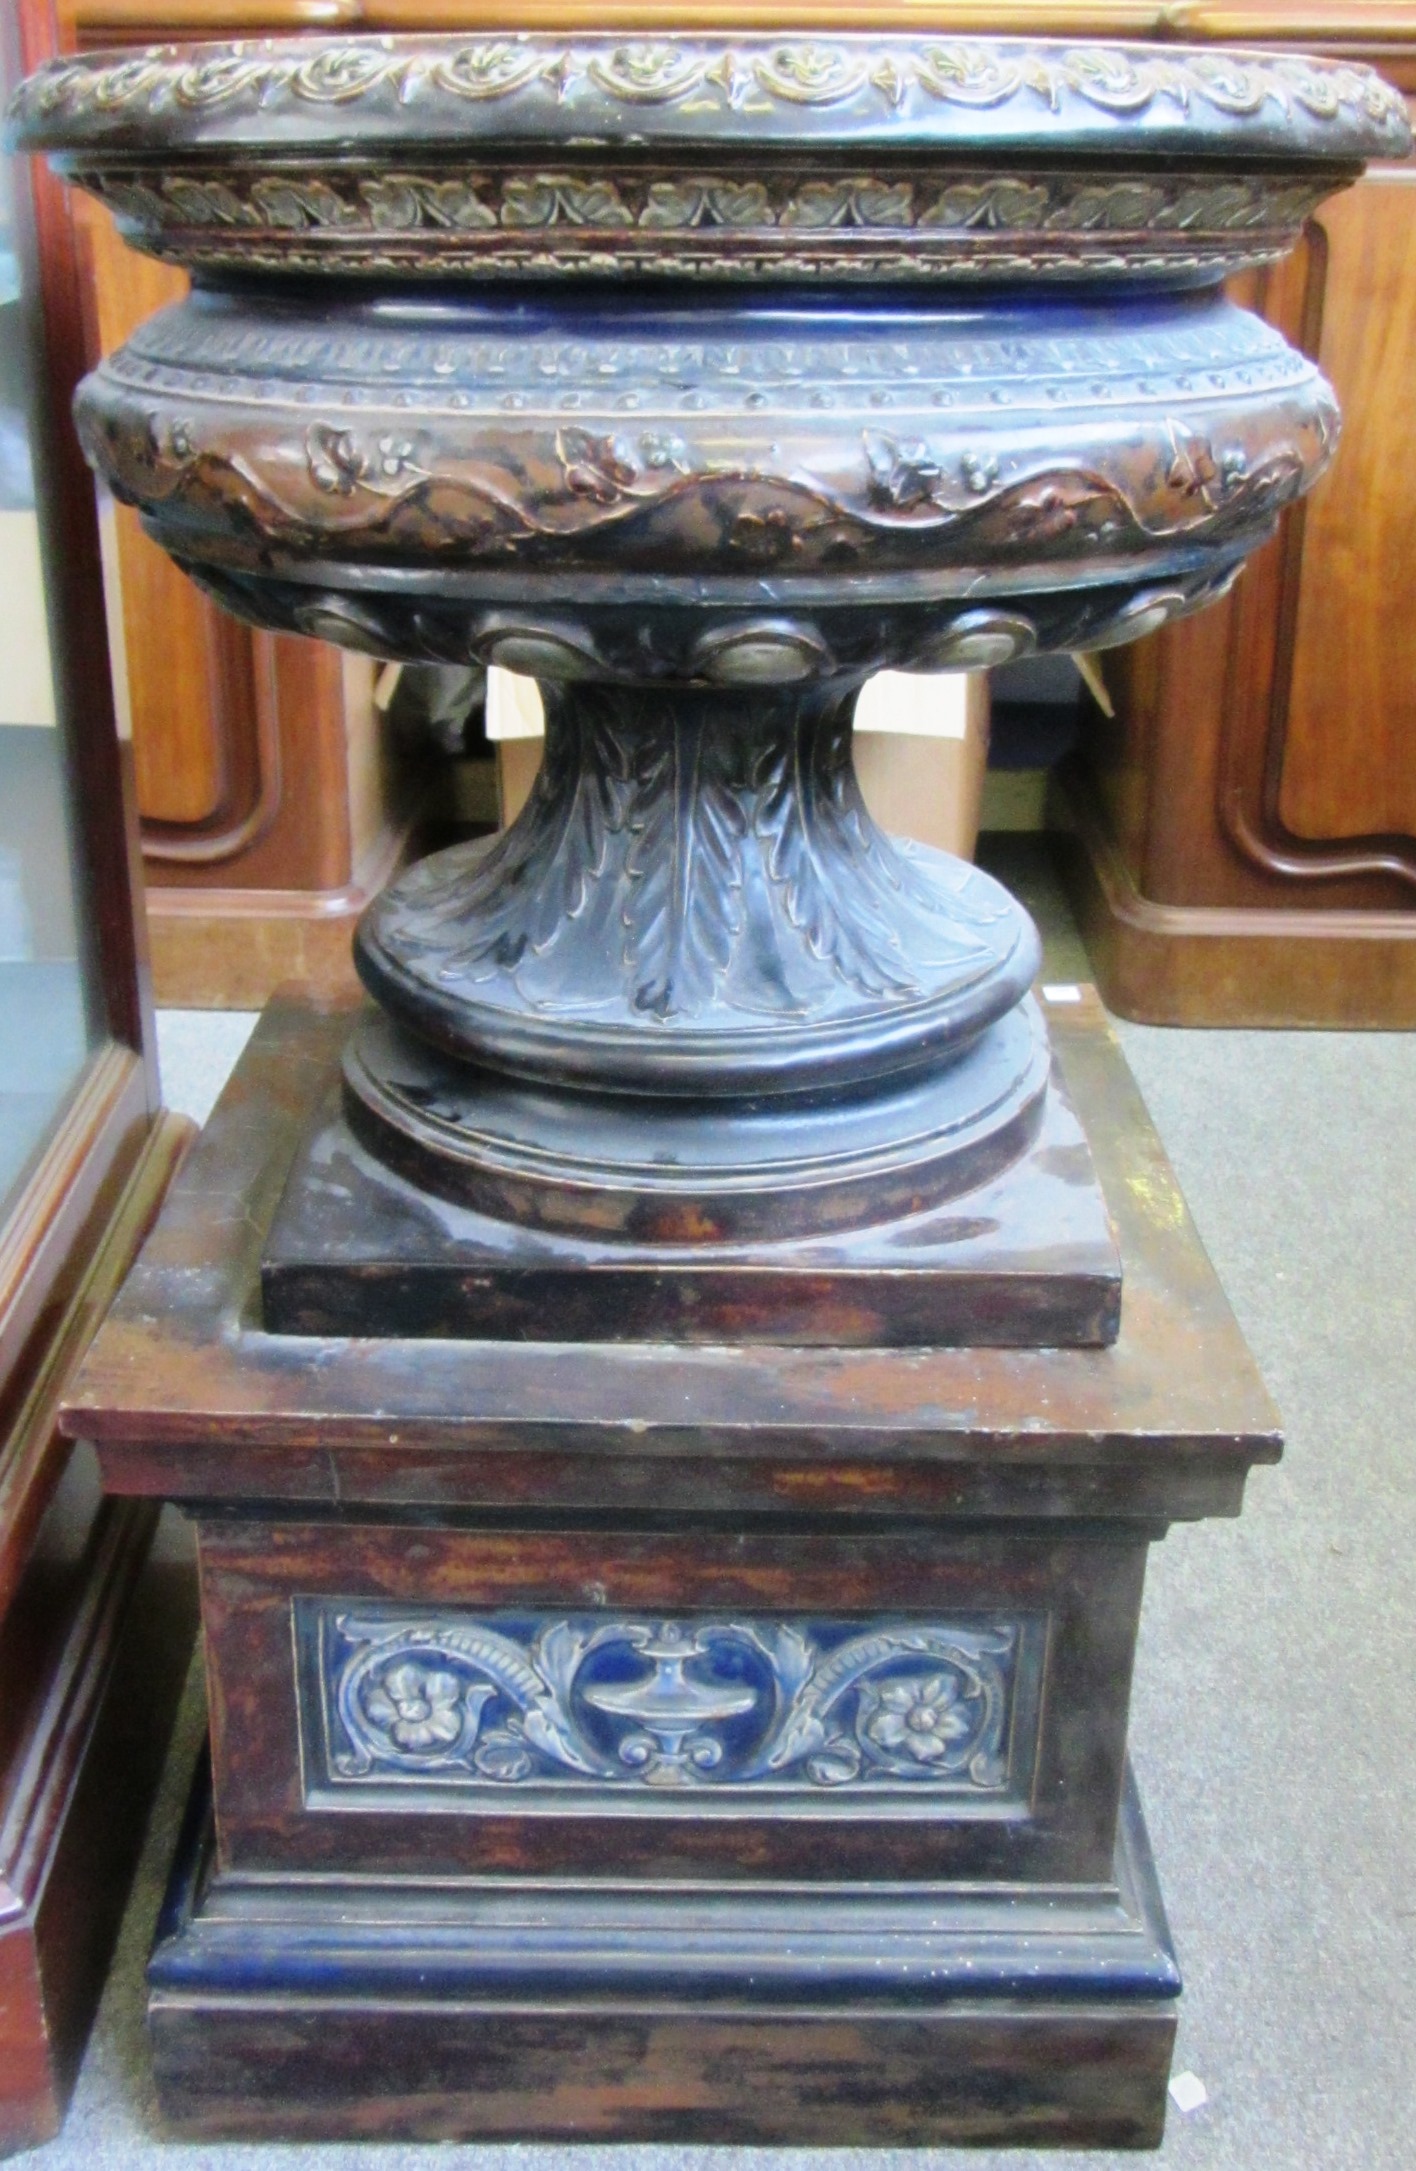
(1274, 1719)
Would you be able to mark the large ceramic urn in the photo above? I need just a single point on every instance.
(701, 378)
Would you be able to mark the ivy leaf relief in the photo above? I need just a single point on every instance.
(335, 461)
(902, 476)
(598, 468)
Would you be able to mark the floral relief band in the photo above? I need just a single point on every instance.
(994, 84)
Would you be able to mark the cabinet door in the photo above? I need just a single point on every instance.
(1316, 778)
(1348, 749)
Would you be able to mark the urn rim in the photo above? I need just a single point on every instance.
(530, 156)
(337, 94)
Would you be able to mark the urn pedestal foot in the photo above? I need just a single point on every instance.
(695, 1051)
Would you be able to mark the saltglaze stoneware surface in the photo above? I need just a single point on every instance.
(700, 379)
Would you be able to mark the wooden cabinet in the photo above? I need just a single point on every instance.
(95, 1631)
(1344, 723)
(1241, 836)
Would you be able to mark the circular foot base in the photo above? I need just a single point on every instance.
(679, 1172)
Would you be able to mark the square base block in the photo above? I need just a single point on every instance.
(315, 2008)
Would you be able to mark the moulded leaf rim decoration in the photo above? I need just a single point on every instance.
(477, 199)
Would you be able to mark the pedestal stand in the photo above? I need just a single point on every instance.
(665, 1742)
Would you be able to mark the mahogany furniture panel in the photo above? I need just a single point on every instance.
(1241, 838)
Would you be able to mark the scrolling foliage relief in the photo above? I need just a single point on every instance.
(653, 1706)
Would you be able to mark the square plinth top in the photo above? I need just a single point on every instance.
(187, 1397)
